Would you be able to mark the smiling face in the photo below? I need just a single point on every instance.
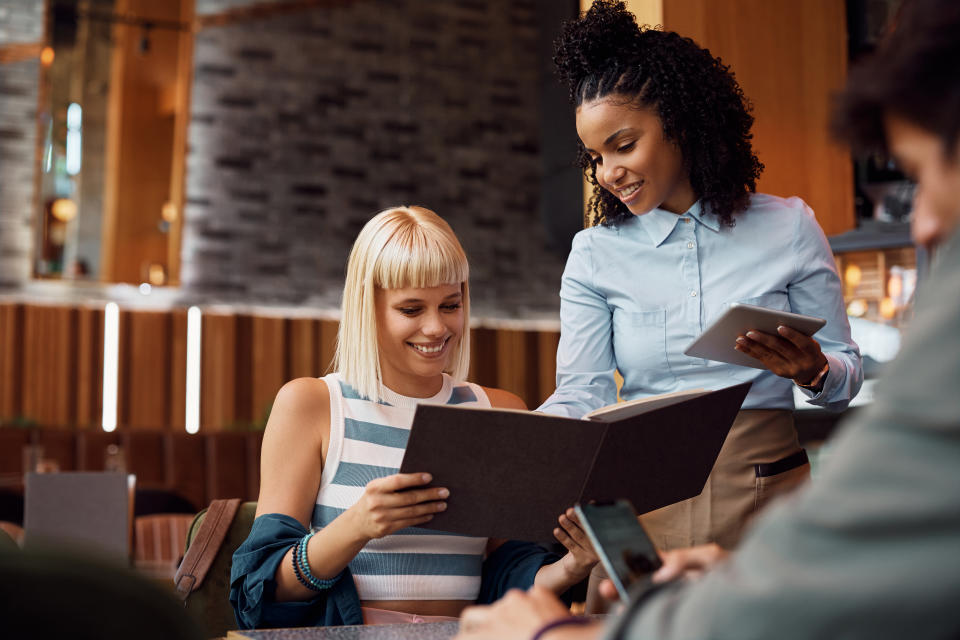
(418, 331)
(634, 161)
(936, 170)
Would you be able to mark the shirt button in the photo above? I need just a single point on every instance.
(693, 294)
(689, 245)
(685, 220)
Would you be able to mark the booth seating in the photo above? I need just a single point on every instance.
(196, 468)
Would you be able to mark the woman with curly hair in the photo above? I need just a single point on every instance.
(680, 234)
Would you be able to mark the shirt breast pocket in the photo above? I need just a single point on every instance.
(777, 300)
(640, 347)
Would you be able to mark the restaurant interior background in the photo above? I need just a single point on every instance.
(180, 183)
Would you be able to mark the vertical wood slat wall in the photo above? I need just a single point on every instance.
(51, 365)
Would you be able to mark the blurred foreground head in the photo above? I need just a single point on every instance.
(905, 100)
(61, 594)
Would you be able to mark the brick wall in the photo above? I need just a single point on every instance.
(21, 21)
(303, 125)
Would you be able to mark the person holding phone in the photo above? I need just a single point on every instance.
(680, 235)
(871, 549)
(336, 538)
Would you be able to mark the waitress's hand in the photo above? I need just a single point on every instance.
(789, 355)
(387, 506)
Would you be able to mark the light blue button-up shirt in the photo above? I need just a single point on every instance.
(635, 295)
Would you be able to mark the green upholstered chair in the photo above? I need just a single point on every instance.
(7, 543)
(210, 603)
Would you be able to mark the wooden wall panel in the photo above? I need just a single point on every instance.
(268, 369)
(184, 466)
(58, 445)
(91, 448)
(140, 142)
(303, 352)
(11, 360)
(89, 368)
(254, 442)
(143, 452)
(243, 377)
(12, 442)
(143, 393)
(226, 465)
(483, 357)
(513, 372)
(218, 373)
(546, 359)
(178, 369)
(328, 345)
(244, 361)
(789, 57)
(49, 365)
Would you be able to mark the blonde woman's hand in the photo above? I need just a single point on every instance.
(392, 503)
(581, 558)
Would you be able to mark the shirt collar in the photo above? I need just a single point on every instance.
(659, 223)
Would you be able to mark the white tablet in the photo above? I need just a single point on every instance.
(720, 338)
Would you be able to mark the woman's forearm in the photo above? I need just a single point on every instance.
(556, 577)
(329, 551)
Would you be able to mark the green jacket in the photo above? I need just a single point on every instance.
(253, 585)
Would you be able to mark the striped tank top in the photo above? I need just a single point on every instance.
(367, 441)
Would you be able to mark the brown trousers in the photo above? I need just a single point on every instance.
(734, 492)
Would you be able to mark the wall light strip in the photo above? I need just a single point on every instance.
(111, 349)
(194, 323)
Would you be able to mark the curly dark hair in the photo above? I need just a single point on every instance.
(701, 107)
(913, 74)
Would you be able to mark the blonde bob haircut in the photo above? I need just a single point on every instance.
(397, 248)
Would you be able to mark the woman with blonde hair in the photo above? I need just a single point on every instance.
(336, 538)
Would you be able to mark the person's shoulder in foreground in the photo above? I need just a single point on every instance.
(871, 548)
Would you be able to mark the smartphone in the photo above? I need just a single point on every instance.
(622, 545)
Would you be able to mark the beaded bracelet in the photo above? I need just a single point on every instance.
(303, 565)
(560, 622)
(296, 567)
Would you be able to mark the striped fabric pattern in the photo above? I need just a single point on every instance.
(159, 542)
(367, 441)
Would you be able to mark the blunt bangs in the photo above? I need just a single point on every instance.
(419, 257)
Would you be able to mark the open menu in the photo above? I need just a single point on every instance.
(512, 473)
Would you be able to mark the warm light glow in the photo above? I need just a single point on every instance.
(111, 344)
(157, 274)
(194, 324)
(168, 212)
(887, 308)
(895, 286)
(853, 276)
(46, 56)
(64, 209)
(857, 308)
